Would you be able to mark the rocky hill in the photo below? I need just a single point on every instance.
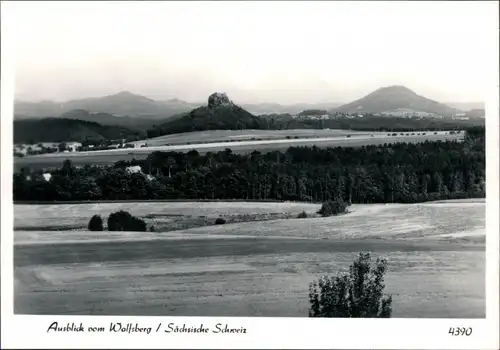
(219, 114)
(395, 98)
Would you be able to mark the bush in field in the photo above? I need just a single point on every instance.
(358, 293)
(333, 207)
(124, 221)
(302, 215)
(220, 221)
(95, 223)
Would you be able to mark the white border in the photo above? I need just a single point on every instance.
(30, 331)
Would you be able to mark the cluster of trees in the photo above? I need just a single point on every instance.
(309, 112)
(220, 221)
(118, 145)
(402, 172)
(118, 221)
(333, 207)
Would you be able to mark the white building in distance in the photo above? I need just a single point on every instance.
(73, 146)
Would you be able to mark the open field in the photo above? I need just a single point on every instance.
(435, 251)
(381, 221)
(112, 156)
(249, 134)
(76, 216)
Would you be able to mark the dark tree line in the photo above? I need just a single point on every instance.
(61, 130)
(403, 172)
(372, 123)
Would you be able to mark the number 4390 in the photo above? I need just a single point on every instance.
(460, 331)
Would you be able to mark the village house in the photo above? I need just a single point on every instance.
(73, 146)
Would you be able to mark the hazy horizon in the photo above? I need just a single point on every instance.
(241, 102)
(256, 52)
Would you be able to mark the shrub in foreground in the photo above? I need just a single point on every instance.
(95, 223)
(359, 293)
(124, 221)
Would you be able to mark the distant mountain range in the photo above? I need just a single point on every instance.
(391, 98)
(127, 115)
(136, 106)
(121, 104)
(220, 113)
(127, 104)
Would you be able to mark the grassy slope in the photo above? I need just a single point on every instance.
(252, 273)
(423, 283)
(61, 216)
(435, 220)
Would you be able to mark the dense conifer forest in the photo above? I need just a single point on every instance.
(399, 173)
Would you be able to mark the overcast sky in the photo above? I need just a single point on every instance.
(283, 52)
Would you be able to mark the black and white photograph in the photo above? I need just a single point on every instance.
(252, 159)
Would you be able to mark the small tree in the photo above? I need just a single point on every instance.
(124, 221)
(95, 223)
(220, 221)
(333, 207)
(117, 220)
(302, 215)
(137, 224)
(358, 293)
(62, 147)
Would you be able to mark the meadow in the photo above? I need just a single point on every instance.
(249, 135)
(76, 216)
(259, 268)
